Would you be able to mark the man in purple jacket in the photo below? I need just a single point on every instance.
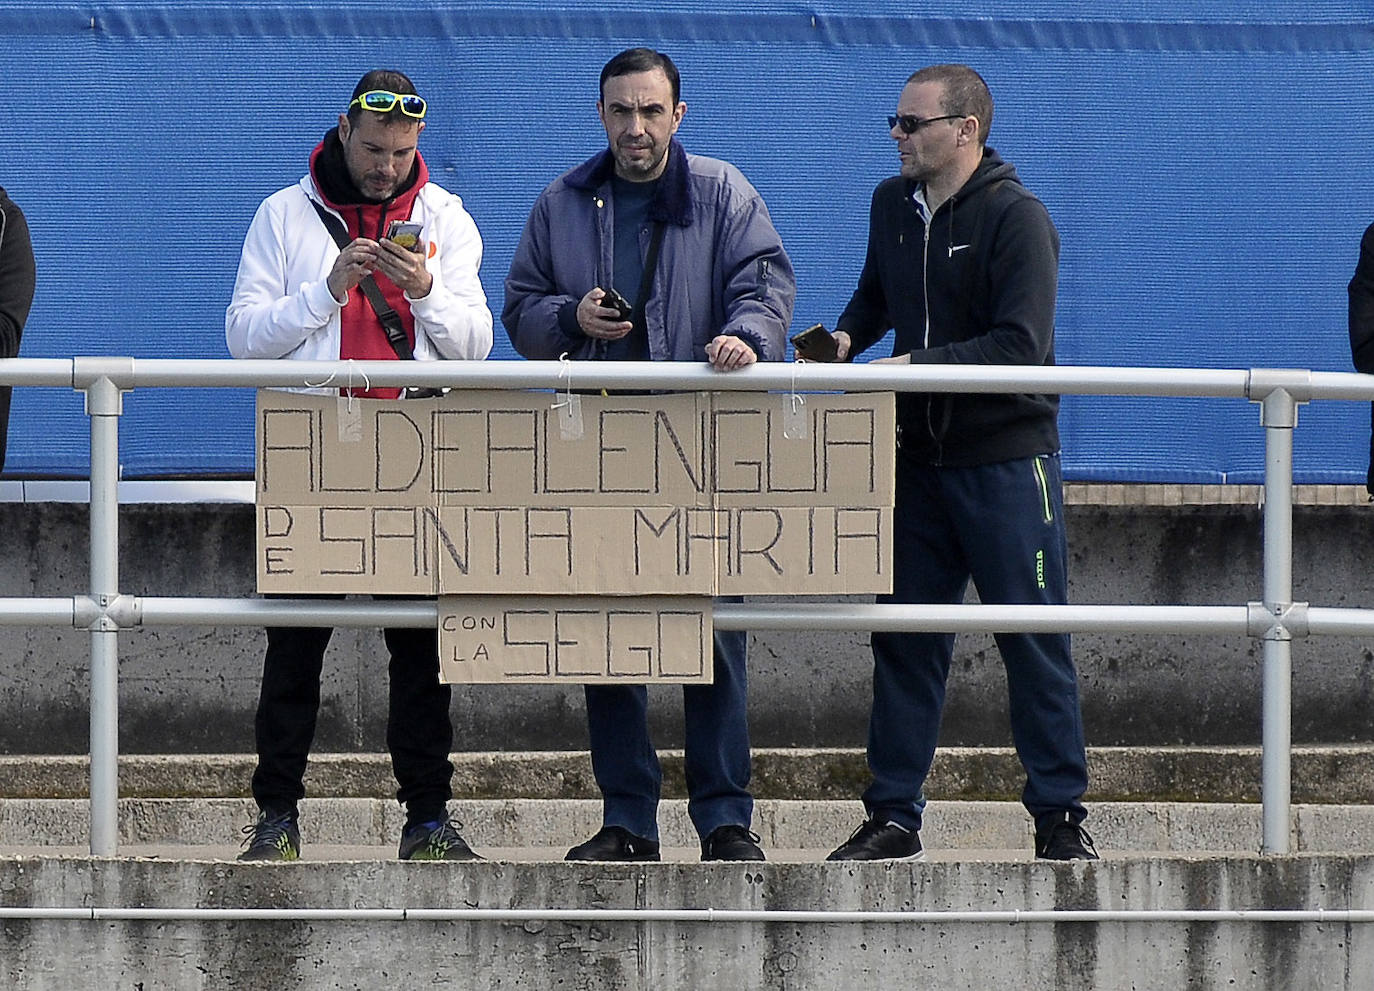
(644, 252)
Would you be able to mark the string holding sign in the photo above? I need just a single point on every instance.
(570, 409)
(350, 420)
(795, 425)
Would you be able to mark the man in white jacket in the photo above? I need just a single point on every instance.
(300, 295)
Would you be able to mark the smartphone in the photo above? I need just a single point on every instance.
(405, 233)
(815, 343)
(616, 301)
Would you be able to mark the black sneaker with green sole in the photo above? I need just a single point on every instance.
(437, 840)
(274, 836)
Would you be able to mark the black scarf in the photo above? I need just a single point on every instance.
(331, 174)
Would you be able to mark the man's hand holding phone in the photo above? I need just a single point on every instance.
(355, 263)
(600, 317)
(815, 343)
(401, 258)
(404, 267)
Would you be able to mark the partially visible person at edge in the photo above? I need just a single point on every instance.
(721, 290)
(963, 262)
(298, 296)
(17, 277)
(1361, 319)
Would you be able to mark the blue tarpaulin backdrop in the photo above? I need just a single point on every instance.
(1207, 173)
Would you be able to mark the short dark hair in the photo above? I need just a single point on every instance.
(642, 60)
(391, 80)
(965, 93)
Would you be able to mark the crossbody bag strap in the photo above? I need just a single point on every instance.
(391, 320)
(646, 281)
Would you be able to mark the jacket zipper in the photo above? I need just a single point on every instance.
(925, 280)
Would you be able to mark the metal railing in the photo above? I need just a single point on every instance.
(1275, 619)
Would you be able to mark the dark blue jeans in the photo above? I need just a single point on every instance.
(1003, 525)
(716, 754)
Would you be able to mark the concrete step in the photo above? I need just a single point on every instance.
(543, 829)
(173, 909)
(1122, 924)
(1321, 774)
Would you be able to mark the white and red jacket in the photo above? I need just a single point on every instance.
(282, 306)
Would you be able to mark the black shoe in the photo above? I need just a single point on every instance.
(437, 840)
(274, 836)
(615, 843)
(1059, 838)
(731, 843)
(875, 840)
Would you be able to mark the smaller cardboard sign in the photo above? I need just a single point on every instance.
(491, 639)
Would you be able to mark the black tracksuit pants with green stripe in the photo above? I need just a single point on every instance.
(1003, 526)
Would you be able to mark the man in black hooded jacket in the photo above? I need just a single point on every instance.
(963, 262)
(16, 293)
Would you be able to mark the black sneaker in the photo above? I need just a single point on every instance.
(876, 840)
(731, 842)
(274, 836)
(615, 843)
(1059, 838)
(437, 840)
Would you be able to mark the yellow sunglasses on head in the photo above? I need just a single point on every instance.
(384, 101)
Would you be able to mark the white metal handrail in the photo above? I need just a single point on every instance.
(748, 916)
(1275, 619)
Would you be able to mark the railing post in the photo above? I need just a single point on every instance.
(104, 405)
(1278, 415)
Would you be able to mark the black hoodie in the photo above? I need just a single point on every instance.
(981, 291)
(16, 293)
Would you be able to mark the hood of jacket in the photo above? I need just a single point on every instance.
(991, 169)
(364, 217)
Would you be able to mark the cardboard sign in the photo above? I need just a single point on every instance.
(304, 549)
(480, 492)
(846, 457)
(509, 449)
(495, 639)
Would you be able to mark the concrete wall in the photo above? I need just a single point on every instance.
(543, 953)
(194, 690)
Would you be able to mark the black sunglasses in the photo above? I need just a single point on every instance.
(910, 124)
